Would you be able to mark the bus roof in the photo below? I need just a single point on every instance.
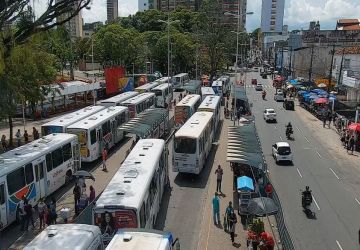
(217, 83)
(121, 97)
(162, 86)
(189, 100)
(139, 239)
(131, 181)
(207, 91)
(195, 125)
(138, 98)
(148, 86)
(210, 102)
(181, 75)
(65, 236)
(73, 117)
(93, 120)
(163, 79)
(12, 159)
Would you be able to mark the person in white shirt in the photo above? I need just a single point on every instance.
(18, 137)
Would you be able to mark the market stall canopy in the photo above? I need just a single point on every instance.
(239, 93)
(354, 126)
(322, 85)
(244, 147)
(262, 206)
(245, 183)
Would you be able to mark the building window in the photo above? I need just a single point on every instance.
(346, 63)
(273, 6)
(272, 22)
(273, 12)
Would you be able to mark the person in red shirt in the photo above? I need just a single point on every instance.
(268, 190)
(104, 157)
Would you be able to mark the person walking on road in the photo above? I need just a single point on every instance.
(22, 213)
(219, 173)
(228, 212)
(216, 209)
(104, 157)
(35, 134)
(92, 194)
(77, 194)
(324, 120)
(29, 215)
(18, 138)
(238, 116)
(329, 117)
(3, 142)
(41, 210)
(233, 221)
(351, 145)
(26, 137)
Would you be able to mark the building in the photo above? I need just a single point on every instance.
(112, 10)
(165, 5)
(348, 24)
(74, 26)
(90, 28)
(232, 6)
(272, 16)
(147, 4)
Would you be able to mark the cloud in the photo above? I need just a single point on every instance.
(253, 21)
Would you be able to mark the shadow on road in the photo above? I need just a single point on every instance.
(161, 218)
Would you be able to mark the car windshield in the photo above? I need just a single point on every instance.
(284, 150)
(271, 111)
(185, 145)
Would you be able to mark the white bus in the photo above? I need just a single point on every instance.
(68, 236)
(164, 95)
(99, 131)
(181, 79)
(134, 239)
(133, 196)
(225, 82)
(212, 104)
(217, 86)
(60, 124)
(118, 99)
(147, 87)
(185, 109)
(35, 170)
(207, 91)
(139, 103)
(164, 80)
(192, 143)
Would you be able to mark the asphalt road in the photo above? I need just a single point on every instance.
(337, 211)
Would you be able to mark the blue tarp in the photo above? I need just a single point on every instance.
(245, 183)
(293, 81)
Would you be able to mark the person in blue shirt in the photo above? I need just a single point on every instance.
(216, 209)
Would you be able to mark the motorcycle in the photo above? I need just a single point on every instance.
(306, 201)
(289, 132)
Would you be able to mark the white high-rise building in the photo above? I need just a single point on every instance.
(112, 10)
(74, 26)
(272, 16)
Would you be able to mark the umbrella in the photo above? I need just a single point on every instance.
(321, 100)
(354, 126)
(300, 92)
(313, 97)
(322, 85)
(84, 174)
(262, 206)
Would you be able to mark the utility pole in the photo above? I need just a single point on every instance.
(290, 61)
(311, 62)
(331, 65)
(282, 59)
(341, 66)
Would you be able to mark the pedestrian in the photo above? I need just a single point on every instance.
(216, 209)
(227, 103)
(324, 120)
(347, 139)
(351, 144)
(18, 138)
(92, 194)
(26, 136)
(133, 144)
(41, 211)
(268, 190)
(77, 194)
(52, 208)
(104, 157)
(219, 173)
(233, 221)
(3, 143)
(35, 134)
(22, 213)
(231, 114)
(228, 212)
(329, 118)
(29, 215)
(238, 116)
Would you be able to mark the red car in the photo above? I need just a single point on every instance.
(253, 81)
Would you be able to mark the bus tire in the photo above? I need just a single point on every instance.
(17, 218)
(68, 177)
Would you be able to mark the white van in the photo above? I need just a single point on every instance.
(68, 237)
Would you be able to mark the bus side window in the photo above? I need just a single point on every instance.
(29, 173)
(142, 216)
(2, 194)
(16, 180)
(92, 136)
(49, 165)
(67, 153)
(57, 158)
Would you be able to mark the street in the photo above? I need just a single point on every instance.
(335, 188)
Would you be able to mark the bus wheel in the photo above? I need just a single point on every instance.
(18, 219)
(68, 177)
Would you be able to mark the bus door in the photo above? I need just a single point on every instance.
(113, 131)
(100, 143)
(3, 209)
(40, 178)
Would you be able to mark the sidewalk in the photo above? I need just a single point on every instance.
(212, 236)
(102, 178)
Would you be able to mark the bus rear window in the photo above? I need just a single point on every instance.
(158, 92)
(47, 130)
(185, 145)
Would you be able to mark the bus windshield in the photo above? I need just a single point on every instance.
(185, 145)
(158, 92)
(46, 130)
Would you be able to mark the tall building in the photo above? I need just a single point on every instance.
(272, 16)
(165, 5)
(112, 10)
(147, 4)
(75, 25)
(232, 6)
(90, 28)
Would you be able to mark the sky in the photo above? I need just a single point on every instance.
(298, 13)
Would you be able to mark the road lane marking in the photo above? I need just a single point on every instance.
(280, 137)
(306, 139)
(334, 173)
(317, 205)
(318, 154)
(298, 129)
(339, 245)
(299, 172)
(358, 202)
(274, 126)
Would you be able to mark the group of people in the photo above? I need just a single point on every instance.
(81, 200)
(45, 210)
(19, 137)
(347, 139)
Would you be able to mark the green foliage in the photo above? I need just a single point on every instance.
(257, 226)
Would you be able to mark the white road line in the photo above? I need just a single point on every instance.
(334, 173)
(275, 127)
(306, 139)
(299, 172)
(319, 154)
(280, 137)
(298, 129)
(317, 205)
(339, 245)
(358, 202)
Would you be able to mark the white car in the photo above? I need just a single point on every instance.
(270, 115)
(258, 87)
(281, 151)
(279, 96)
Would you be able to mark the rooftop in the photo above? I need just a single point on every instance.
(355, 50)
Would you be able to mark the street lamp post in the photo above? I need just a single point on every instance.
(92, 63)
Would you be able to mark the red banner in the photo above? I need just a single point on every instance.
(112, 78)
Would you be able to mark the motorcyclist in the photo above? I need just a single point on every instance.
(289, 129)
(263, 94)
(306, 197)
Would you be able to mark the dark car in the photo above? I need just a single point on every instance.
(253, 81)
(289, 105)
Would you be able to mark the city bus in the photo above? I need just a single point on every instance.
(35, 170)
(139, 103)
(181, 79)
(212, 104)
(185, 109)
(147, 87)
(192, 143)
(164, 95)
(99, 131)
(163, 80)
(217, 86)
(60, 124)
(118, 99)
(143, 239)
(133, 196)
(207, 91)
(226, 83)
